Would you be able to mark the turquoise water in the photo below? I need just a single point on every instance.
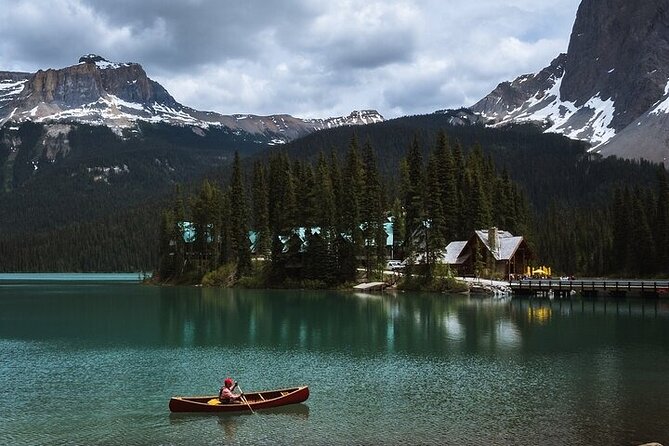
(96, 363)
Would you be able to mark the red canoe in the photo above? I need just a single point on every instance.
(257, 400)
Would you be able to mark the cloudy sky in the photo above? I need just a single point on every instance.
(308, 58)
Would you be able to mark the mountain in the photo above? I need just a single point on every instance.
(610, 89)
(119, 95)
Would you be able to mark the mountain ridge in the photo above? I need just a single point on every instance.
(99, 92)
(607, 89)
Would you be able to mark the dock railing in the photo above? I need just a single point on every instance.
(562, 287)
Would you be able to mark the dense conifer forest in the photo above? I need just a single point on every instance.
(582, 214)
(581, 217)
(95, 206)
(341, 206)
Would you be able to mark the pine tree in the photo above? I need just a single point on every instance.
(309, 205)
(662, 221)
(372, 212)
(478, 203)
(352, 190)
(447, 179)
(326, 261)
(206, 210)
(238, 219)
(282, 196)
(413, 197)
(463, 228)
(324, 195)
(261, 210)
(435, 238)
(167, 266)
(622, 227)
(338, 193)
(643, 248)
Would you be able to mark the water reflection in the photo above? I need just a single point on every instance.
(232, 423)
(353, 323)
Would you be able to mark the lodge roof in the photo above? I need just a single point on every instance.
(506, 244)
(453, 254)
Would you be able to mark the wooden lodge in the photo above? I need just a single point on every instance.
(500, 253)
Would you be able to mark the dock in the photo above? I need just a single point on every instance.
(559, 288)
(370, 286)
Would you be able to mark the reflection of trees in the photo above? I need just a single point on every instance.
(327, 321)
(407, 323)
(604, 354)
(95, 313)
(567, 325)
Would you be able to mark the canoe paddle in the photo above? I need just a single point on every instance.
(244, 398)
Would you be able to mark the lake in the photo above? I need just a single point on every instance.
(96, 361)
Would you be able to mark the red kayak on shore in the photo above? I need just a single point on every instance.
(256, 400)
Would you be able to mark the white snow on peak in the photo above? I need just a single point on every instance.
(662, 106)
(116, 101)
(560, 116)
(11, 87)
(105, 65)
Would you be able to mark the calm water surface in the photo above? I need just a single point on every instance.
(96, 363)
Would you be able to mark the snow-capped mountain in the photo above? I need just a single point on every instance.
(610, 89)
(118, 95)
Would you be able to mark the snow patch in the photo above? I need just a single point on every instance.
(11, 86)
(662, 106)
(548, 107)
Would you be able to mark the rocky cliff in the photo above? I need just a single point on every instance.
(118, 95)
(609, 84)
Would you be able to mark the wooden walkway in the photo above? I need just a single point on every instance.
(369, 286)
(591, 288)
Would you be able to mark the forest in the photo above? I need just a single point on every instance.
(582, 214)
(317, 222)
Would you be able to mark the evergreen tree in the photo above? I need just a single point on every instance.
(352, 190)
(478, 202)
(309, 205)
(414, 213)
(338, 193)
(447, 180)
(397, 216)
(463, 227)
(238, 219)
(435, 235)
(661, 227)
(372, 215)
(206, 207)
(167, 267)
(622, 228)
(260, 224)
(282, 196)
(325, 261)
(643, 246)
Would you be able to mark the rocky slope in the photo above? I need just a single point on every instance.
(118, 95)
(611, 88)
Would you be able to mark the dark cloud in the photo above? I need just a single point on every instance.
(200, 32)
(304, 57)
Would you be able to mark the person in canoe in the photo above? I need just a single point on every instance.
(225, 395)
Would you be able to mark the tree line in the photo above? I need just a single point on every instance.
(321, 221)
(627, 236)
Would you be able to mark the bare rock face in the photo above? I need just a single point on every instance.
(73, 86)
(619, 50)
(610, 89)
(509, 96)
(118, 95)
(92, 78)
